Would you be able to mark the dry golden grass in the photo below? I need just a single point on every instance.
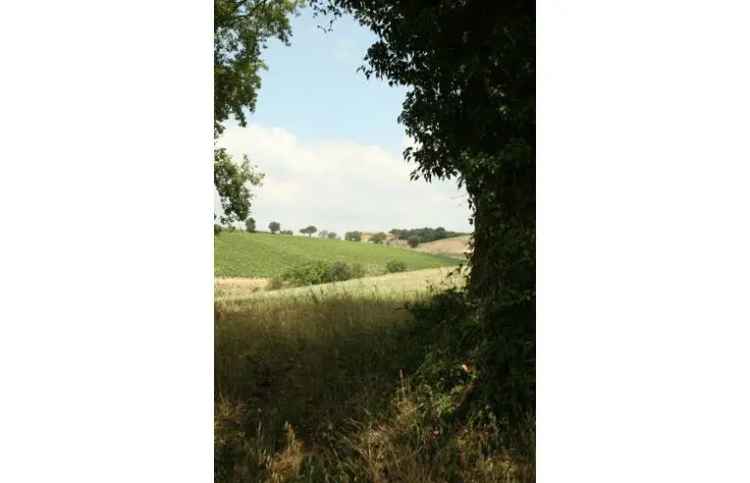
(230, 288)
(316, 388)
(453, 247)
(403, 284)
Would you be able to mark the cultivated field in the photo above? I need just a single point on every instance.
(452, 247)
(260, 255)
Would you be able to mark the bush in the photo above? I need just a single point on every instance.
(315, 273)
(275, 283)
(339, 271)
(394, 266)
(358, 271)
(217, 229)
(413, 241)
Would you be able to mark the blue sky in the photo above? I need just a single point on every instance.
(328, 140)
(313, 88)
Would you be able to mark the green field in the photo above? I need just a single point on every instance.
(241, 254)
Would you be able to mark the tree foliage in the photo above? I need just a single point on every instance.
(241, 30)
(424, 235)
(378, 238)
(470, 69)
(353, 236)
(250, 225)
(309, 230)
(469, 66)
(274, 226)
(231, 181)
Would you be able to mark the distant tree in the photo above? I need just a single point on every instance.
(353, 236)
(378, 238)
(309, 230)
(413, 241)
(250, 225)
(425, 234)
(286, 232)
(274, 226)
(323, 233)
(398, 234)
(332, 235)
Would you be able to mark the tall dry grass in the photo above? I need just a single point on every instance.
(317, 388)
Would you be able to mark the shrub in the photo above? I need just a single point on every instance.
(358, 271)
(217, 229)
(338, 271)
(311, 273)
(286, 232)
(413, 241)
(275, 283)
(315, 273)
(394, 266)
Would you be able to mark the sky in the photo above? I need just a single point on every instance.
(329, 142)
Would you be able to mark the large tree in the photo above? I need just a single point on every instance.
(241, 30)
(469, 67)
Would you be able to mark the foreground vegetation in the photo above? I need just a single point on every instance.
(465, 408)
(404, 284)
(346, 386)
(239, 254)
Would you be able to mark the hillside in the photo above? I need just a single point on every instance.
(402, 284)
(452, 247)
(241, 254)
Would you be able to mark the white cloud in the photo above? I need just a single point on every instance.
(340, 185)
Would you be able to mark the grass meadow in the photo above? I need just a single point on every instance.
(316, 386)
(242, 254)
(392, 284)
